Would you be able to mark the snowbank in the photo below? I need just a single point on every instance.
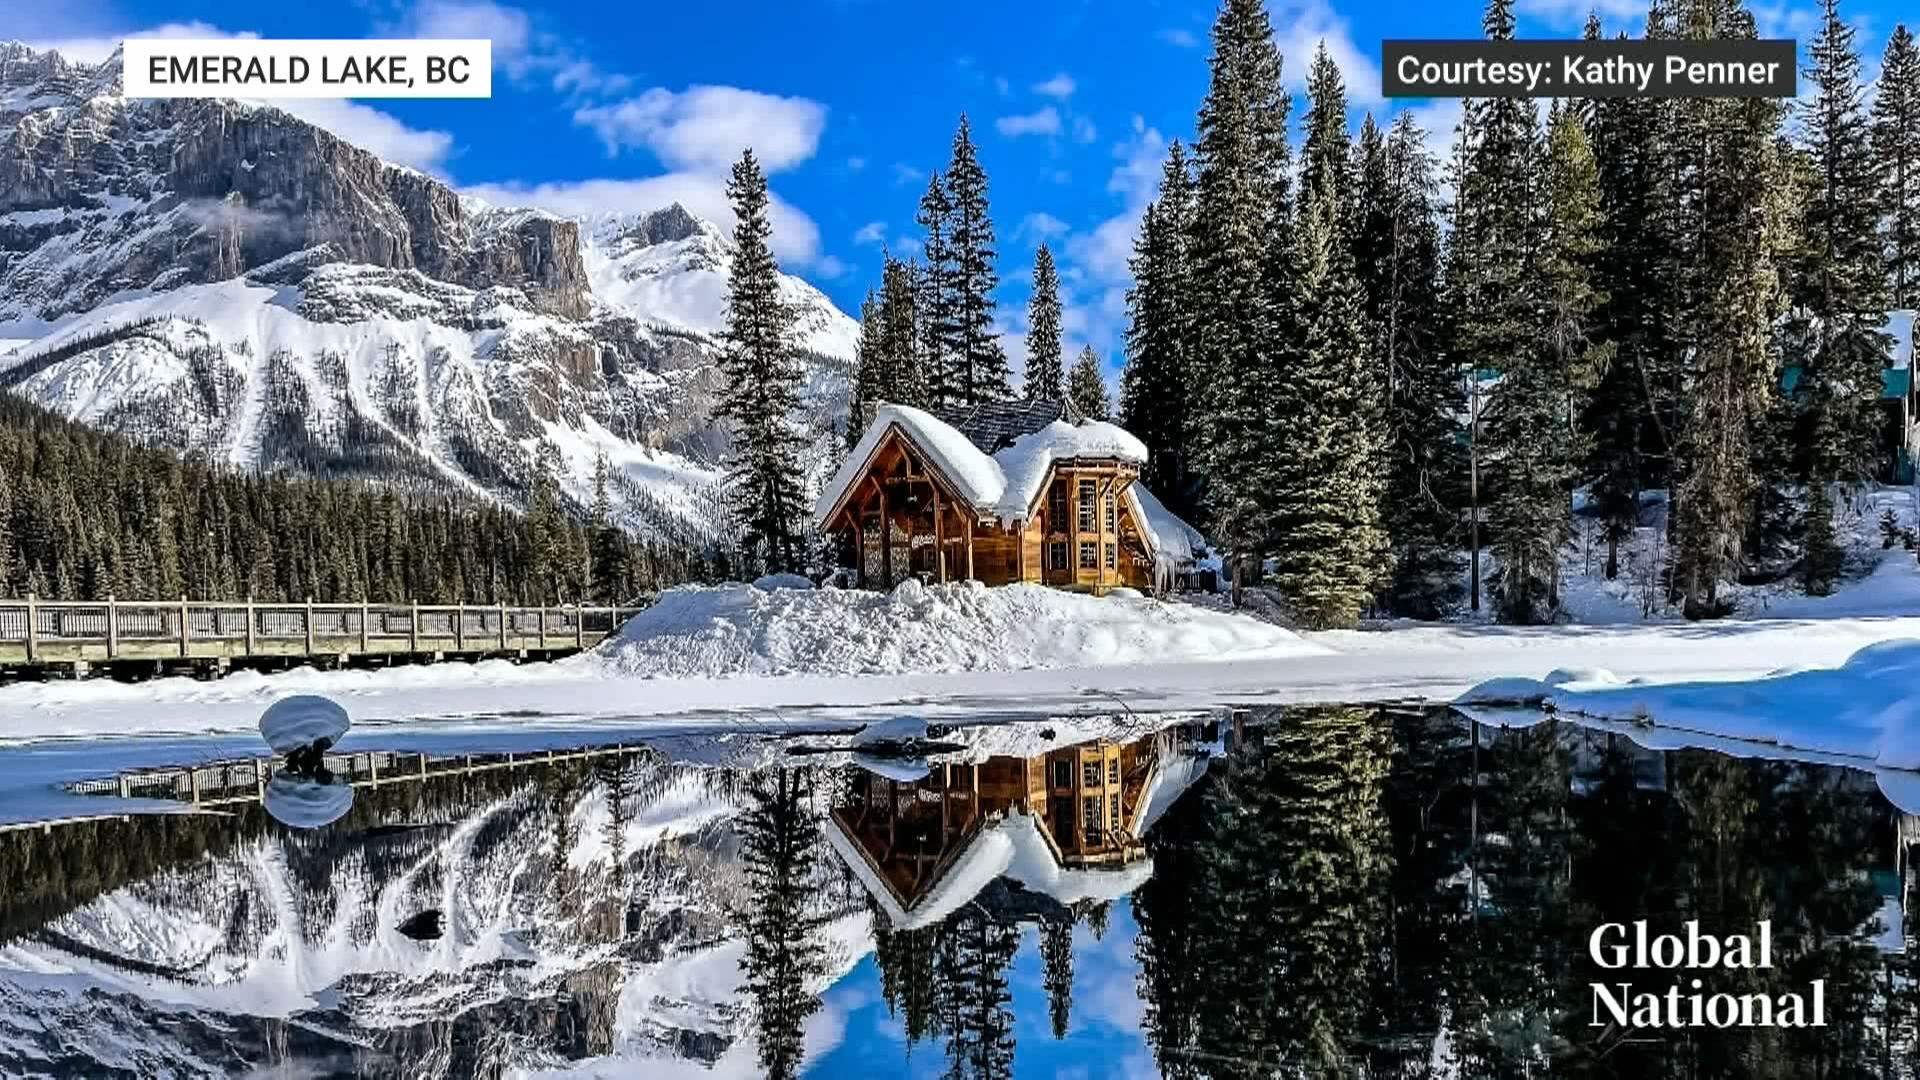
(1868, 707)
(741, 630)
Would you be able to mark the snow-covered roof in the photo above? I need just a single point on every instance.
(1003, 484)
(1162, 528)
(1171, 777)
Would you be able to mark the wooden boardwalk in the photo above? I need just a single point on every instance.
(132, 638)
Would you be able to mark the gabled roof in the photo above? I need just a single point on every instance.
(1003, 484)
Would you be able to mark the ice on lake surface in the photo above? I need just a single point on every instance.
(1312, 891)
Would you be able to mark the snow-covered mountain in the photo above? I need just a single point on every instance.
(225, 279)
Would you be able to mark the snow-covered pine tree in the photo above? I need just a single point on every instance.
(1045, 379)
(1236, 293)
(1087, 389)
(934, 300)
(980, 363)
(1731, 390)
(869, 373)
(1330, 553)
(1157, 389)
(1493, 292)
(762, 387)
(905, 377)
(1841, 292)
(1397, 258)
(1896, 143)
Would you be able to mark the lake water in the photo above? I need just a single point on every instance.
(1328, 891)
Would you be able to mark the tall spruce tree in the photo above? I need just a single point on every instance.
(904, 379)
(1329, 549)
(1730, 385)
(762, 386)
(1896, 144)
(1045, 379)
(1397, 255)
(1237, 282)
(784, 948)
(1056, 963)
(869, 370)
(1157, 390)
(1493, 292)
(1841, 292)
(1087, 388)
(980, 365)
(935, 303)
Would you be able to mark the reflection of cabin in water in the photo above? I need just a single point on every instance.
(1066, 821)
(1007, 491)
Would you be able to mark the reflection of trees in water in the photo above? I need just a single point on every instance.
(950, 980)
(1316, 913)
(781, 846)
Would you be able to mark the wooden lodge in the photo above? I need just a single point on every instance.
(918, 845)
(1005, 492)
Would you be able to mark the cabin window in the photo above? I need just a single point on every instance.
(1062, 774)
(1086, 506)
(1090, 774)
(1113, 771)
(1057, 556)
(1110, 555)
(1113, 523)
(1113, 811)
(1089, 555)
(1090, 814)
(1057, 507)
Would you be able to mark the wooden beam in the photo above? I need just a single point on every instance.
(886, 540)
(969, 520)
(939, 548)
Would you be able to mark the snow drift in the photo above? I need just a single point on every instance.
(1868, 707)
(743, 630)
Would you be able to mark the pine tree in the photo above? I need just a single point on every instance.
(762, 386)
(546, 541)
(935, 299)
(1156, 386)
(1056, 963)
(980, 365)
(1045, 380)
(1896, 144)
(6, 532)
(1397, 255)
(1841, 292)
(869, 374)
(1329, 550)
(1087, 389)
(1237, 282)
(905, 381)
(1493, 294)
(1730, 388)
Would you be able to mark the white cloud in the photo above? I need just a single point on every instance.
(829, 267)
(855, 164)
(904, 173)
(704, 128)
(1083, 130)
(1044, 122)
(370, 129)
(873, 232)
(1039, 226)
(1001, 86)
(1182, 39)
(519, 49)
(1299, 28)
(1060, 86)
(796, 239)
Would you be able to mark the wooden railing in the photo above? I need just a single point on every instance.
(36, 631)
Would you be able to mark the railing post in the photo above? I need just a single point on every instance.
(413, 627)
(363, 627)
(459, 625)
(113, 627)
(503, 625)
(186, 628)
(543, 626)
(579, 626)
(309, 626)
(249, 624)
(33, 626)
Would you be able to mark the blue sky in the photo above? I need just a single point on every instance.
(849, 102)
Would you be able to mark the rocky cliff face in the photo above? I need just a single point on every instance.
(224, 278)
